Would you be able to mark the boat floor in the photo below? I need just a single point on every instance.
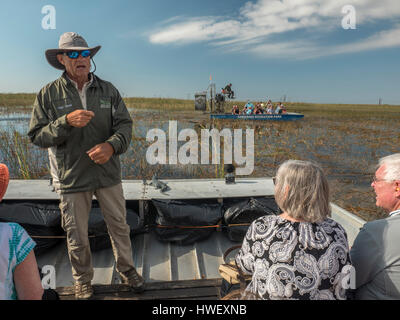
(204, 289)
(171, 271)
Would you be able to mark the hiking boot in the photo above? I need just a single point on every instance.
(133, 279)
(83, 291)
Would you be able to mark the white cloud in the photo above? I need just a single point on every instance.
(302, 49)
(195, 30)
(383, 39)
(257, 21)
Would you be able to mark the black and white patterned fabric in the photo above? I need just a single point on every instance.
(295, 260)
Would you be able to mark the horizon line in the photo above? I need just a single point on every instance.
(244, 101)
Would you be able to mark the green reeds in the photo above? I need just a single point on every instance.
(347, 140)
(17, 99)
(21, 150)
(24, 160)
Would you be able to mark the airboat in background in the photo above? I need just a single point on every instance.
(275, 117)
(214, 102)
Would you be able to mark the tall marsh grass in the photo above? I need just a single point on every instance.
(17, 99)
(347, 140)
(24, 160)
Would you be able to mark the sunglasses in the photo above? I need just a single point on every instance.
(75, 54)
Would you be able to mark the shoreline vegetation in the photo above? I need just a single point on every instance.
(346, 139)
(25, 100)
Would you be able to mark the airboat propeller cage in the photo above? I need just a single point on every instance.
(200, 101)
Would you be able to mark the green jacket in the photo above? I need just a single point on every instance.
(111, 123)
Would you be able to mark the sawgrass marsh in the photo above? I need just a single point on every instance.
(347, 140)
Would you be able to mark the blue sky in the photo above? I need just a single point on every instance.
(169, 48)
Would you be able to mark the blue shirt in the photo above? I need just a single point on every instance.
(15, 245)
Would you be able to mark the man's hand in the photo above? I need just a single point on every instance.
(79, 118)
(101, 153)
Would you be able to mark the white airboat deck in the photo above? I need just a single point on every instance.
(190, 270)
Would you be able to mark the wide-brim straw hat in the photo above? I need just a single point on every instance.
(69, 41)
(4, 178)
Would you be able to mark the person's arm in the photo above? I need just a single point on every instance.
(27, 279)
(245, 259)
(25, 270)
(42, 131)
(366, 257)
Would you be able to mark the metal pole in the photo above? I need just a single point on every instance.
(211, 101)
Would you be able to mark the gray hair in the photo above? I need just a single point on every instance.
(302, 191)
(392, 166)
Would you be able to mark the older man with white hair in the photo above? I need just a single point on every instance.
(84, 122)
(376, 251)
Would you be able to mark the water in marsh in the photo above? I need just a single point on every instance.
(347, 149)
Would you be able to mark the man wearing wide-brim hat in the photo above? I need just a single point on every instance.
(85, 125)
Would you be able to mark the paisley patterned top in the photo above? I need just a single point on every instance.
(295, 260)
